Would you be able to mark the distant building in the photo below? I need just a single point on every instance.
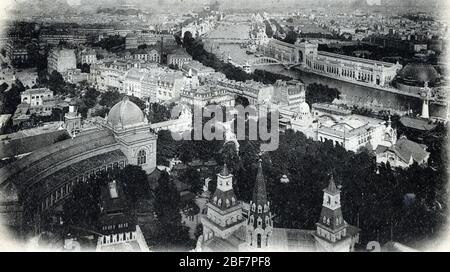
(329, 122)
(403, 153)
(40, 101)
(88, 56)
(414, 76)
(131, 41)
(35, 97)
(196, 68)
(75, 76)
(367, 71)
(178, 58)
(61, 60)
(154, 56)
(17, 53)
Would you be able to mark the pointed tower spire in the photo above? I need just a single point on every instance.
(332, 189)
(259, 225)
(332, 231)
(259, 191)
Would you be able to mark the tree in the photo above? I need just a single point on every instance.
(188, 40)
(167, 147)
(110, 98)
(318, 93)
(82, 207)
(192, 177)
(135, 184)
(170, 231)
(90, 97)
(56, 82)
(12, 97)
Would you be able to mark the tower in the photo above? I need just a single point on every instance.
(259, 224)
(332, 232)
(426, 96)
(224, 212)
(72, 119)
(304, 50)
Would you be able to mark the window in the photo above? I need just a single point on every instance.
(142, 157)
(259, 209)
(258, 240)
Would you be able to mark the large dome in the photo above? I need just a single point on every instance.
(125, 114)
(304, 109)
(417, 74)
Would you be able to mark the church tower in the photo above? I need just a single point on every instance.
(332, 232)
(224, 212)
(259, 224)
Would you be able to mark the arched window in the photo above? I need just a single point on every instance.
(259, 209)
(324, 219)
(258, 240)
(233, 201)
(142, 157)
(215, 200)
(227, 203)
(219, 202)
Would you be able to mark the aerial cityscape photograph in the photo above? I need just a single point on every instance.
(224, 125)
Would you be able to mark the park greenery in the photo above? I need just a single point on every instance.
(386, 203)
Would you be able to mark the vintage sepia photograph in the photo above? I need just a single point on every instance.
(224, 126)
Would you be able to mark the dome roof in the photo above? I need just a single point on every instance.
(125, 113)
(304, 108)
(419, 73)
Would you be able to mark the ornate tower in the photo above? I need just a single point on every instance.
(259, 224)
(224, 212)
(333, 233)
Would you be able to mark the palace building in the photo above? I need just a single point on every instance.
(371, 72)
(330, 122)
(225, 228)
(46, 176)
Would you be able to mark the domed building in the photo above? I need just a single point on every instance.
(44, 178)
(414, 76)
(125, 114)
